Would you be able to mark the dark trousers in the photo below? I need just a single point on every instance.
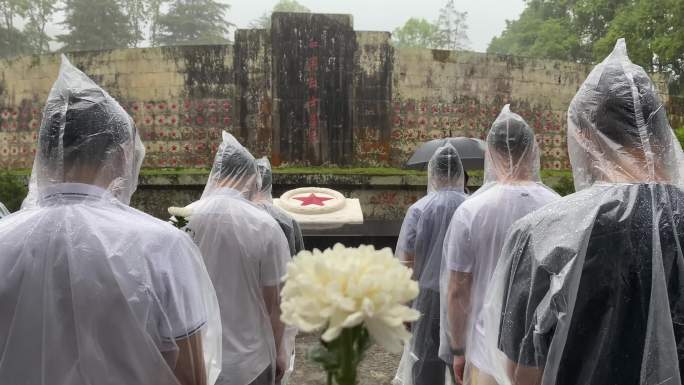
(429, 369)
(265, 378)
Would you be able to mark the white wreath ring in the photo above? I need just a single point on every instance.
(337, 203)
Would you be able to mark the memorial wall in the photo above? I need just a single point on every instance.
(310, 91)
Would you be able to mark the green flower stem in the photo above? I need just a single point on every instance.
(349, 356)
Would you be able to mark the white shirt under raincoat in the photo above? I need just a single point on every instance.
(263, 198)
(421, 240)
(512, 189)
(91, 290)
(245, 251)
(589, 289)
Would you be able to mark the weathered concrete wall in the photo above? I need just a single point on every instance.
(180, 98)
(309, 91)
(461, 93)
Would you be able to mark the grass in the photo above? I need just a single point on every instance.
(375, 171)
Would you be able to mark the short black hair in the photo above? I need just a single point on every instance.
(447, 163)
(511, 136)
(614, 108)
(235, 162)
(94, 125)
(266, 175)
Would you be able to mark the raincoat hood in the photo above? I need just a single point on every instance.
(234, 167)
(85, 137)
(618, 129)
(512, 154)
(445, 171)
(265, 189)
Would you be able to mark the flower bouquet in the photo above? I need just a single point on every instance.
(356, 295)
(179, 216)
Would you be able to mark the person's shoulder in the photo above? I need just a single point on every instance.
(16, 221)
(258, 217)
(139, 221)
(551, 215)
(420, 203)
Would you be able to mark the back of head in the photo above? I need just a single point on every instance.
(234, 167)
(266, 176)
(512, 153)
(85, 137)
(618, 129)
(445, 171)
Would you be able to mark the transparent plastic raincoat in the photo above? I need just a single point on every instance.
(246, 253)
(263, 198)
(91, 290)
(420, 247)
(3, 210)
(590, 290)
(512, 189)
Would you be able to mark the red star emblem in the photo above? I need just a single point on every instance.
(312, 199)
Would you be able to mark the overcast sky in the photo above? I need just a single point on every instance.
(486, 18)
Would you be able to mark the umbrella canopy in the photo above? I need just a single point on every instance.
(470, 150)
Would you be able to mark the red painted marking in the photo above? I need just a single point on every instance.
(312, 199)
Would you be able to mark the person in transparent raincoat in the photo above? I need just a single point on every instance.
(246, 254)
(420, 247)
(91, 290)
(590, 290)
(263, 198)
(3, 210)
(512, 189)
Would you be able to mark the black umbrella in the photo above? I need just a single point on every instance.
(470, 150)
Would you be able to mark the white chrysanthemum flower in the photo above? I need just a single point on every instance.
(345, 287)
(184, 212)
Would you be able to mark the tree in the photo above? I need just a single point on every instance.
(416, 33)
(264, 21)
(194, 22)
(12, 40)
(138, 15)
(39, 14)
(585, 31)
(543, 30)
(452, 28)
(96, 25)
(154, 13)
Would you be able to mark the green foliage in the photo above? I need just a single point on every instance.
(416, 33)
(38, 15)
(12, 191)
(264, 21)
(452, 28)
(290, 6)
(449, 31)
(585, 31)
(543, 30)
(96, 25)
(194, 22)
(12, 40)
(138, 12)
(679, 132)
(564, 185)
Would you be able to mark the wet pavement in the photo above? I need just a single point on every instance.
(377, 368)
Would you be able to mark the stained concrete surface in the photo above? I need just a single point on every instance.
(377, 368)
